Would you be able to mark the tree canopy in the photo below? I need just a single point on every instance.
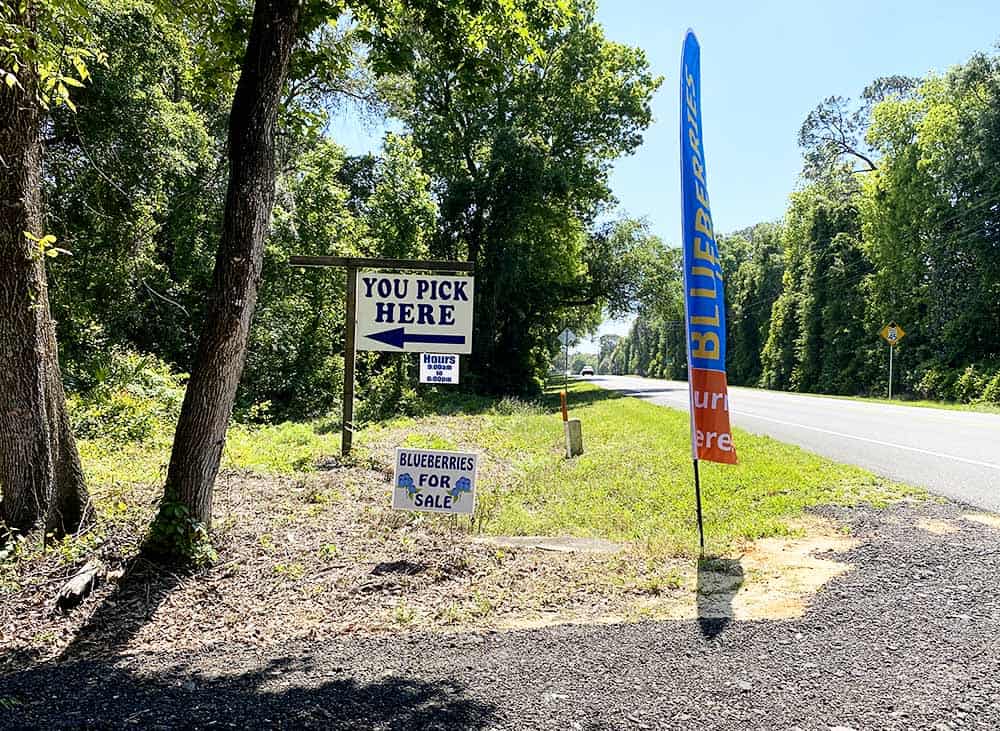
(895, 219)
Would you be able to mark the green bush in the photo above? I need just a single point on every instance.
(976, 383)
(969, 385)
(991, 394)
(133, 397)
(387, 393)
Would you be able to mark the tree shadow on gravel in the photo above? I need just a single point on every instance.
(125, 610)
(283, 693)
(718, 581)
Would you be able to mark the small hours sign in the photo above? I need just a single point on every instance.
(438, 368)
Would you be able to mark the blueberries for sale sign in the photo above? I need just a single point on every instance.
(438, 368)
(434, 481)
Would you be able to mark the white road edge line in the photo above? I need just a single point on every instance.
(870, 441)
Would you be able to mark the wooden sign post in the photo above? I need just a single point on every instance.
(352, 265)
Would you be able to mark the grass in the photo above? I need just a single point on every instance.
(633, 483)
(280, 449)
(120, 474)
(319, 535)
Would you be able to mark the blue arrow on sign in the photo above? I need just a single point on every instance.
(397, 337)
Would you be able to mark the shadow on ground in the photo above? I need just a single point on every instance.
(577, 399)
(105, 694)
(640, 392)
(120, 615)
(718, 581)
(95, 684)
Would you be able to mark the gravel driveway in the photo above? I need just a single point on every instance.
(909, 639)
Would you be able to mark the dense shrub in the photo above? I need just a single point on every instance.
(132, 397)
(976, 383)
(991, 394)
(932, 381)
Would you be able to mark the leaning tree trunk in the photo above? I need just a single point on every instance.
(211, 392)
(40, 474)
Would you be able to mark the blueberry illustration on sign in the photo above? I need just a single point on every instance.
(462, 485)
(406, 482)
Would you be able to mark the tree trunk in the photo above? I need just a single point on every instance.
(211, 391)
(40, 473)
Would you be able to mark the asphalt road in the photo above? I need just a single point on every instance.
(950, 453)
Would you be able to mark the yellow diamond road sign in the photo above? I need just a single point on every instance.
(892, 333)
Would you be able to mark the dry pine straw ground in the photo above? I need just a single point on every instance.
(324, 554)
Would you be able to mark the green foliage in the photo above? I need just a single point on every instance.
(929, 221)
(894, 221)
(134, 189)
(753, 262)
(130, 397)
(508, 117)
(400, 213)
(654, 346)
(911, 240)
(511, 172)
(279, 449)
(519, 135)
(46, 48)
(978, 383)
(633, 482)
(817, 330)
(378, 207)
(177, 537)
(388, 391)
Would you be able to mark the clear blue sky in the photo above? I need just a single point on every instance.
(765, 65)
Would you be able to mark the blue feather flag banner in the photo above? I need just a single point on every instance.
(704, 301)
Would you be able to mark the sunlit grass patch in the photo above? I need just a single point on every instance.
(280, 449)
(634, 481)
(632, 484)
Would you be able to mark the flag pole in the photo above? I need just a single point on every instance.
(697, 500)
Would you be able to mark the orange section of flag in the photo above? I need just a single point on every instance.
(713, 437)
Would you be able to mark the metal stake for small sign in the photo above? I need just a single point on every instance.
(352, 265)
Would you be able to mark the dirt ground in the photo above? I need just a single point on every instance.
(905, 638)
(324, 555)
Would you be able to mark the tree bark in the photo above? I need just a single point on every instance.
(211, 391)
(40, 473)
